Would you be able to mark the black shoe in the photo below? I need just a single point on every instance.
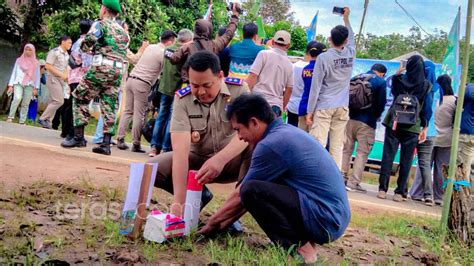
(121, 144)
(77, 141)
(206, 197)
(137, 148)
(104, 147)
(73, 142)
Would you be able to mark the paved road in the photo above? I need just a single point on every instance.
(50, 140)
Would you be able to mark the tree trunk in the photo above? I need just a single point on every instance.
(460, 221)
(29, 24)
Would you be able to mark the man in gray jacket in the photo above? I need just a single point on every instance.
(328, 110)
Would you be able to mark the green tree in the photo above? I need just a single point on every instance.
(271, 11)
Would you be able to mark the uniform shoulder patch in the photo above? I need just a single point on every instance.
(234, 81)
(183, 92)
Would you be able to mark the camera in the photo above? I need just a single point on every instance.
(230, 7)
(338, 10)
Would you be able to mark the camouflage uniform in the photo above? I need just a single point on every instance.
(106, 38)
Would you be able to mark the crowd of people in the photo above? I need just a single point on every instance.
(219, 107)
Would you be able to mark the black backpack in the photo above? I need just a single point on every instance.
(406, 107)
(360, 92)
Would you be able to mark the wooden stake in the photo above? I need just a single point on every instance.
(140, 216)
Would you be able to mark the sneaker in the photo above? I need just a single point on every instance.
(153, 152)
(44, 123)
(397, 198)
(382, 194)
(9, 120)
(356, 188)
(429, 202)
(121, 144)
(439, 202)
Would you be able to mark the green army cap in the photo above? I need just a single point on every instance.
(112, 4)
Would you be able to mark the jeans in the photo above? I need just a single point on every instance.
(21, 94)
(99, 129)
(161, 139)
(277, 210)
(408, 142)
(423, 185)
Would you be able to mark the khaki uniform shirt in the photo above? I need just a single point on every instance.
(150, 64)
(58, 59)
(208, 120)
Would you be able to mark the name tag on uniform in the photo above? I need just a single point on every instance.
(97, 60)
(195, 116)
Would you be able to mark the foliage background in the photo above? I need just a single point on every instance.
(43, 22)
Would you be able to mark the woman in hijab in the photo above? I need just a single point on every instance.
(24, 82)
(444, 118)
(413, 82)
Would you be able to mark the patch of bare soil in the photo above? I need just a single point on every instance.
(78, 224)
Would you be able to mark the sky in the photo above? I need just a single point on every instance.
(383, 16)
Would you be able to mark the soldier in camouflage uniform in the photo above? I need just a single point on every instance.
(109, 42)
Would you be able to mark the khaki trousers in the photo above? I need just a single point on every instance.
(364, 135)
(233, 171)
(136, 105)
(302, 124)
(332, 123)
(56, 97)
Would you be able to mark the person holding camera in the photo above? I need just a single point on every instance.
(203, 41)
(328, 104)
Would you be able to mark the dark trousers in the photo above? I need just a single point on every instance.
(57, 117)
(293, 119)
(161, 139)
(276, 208)
(407, 142)
(67, 118)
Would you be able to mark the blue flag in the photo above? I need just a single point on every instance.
(451, 57)
(311, 31)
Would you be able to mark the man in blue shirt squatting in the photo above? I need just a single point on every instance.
(293, 188)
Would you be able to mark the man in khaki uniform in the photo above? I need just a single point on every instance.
(202, 137)
(139, 83)
(56, 79)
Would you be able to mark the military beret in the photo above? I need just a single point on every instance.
(113, 5)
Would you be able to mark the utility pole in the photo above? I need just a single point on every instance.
(457, 123)
(366, 5)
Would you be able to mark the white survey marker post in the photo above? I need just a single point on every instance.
(193, 203)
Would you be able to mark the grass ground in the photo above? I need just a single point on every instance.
(47, 221)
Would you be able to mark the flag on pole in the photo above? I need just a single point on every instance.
(311, 31)
(451, 57)
(255, 8)
(261, 29)
(208, 14)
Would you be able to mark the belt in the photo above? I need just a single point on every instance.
(112, 63)
(140, 79)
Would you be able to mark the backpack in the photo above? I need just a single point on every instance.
(406, 109)
(360, 92)
(147, 129)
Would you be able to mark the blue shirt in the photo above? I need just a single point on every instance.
(307, 78)
(370, 116)
(290, 156)
(242, 55)
(467, 118)
(436, 96)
